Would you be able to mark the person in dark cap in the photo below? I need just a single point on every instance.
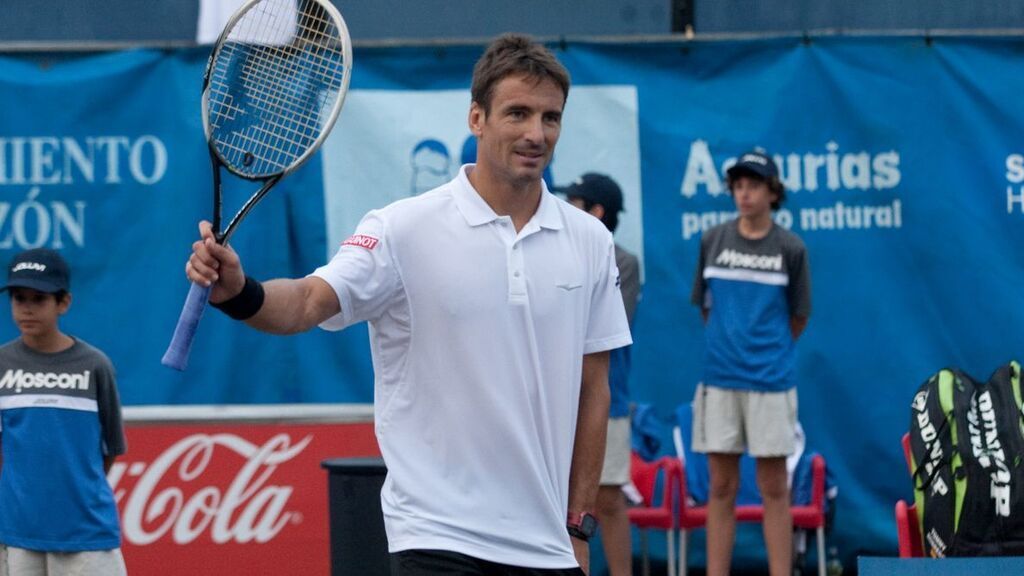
(753, 288)
(597, 194)
(601, 196)
(60, 431)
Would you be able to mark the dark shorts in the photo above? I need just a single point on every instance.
(445, 563)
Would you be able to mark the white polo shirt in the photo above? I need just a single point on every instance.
(477, 335)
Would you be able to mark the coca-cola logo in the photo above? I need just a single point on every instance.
(172, 496)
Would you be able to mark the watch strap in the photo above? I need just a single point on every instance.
(577, 533)
(581, 525)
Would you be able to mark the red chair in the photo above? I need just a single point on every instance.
(690, 518)
(805, 517)
(656, 512)
(908, 528)
(908, 531)
(812, 516)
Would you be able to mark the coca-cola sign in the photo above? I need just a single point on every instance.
(215, 499)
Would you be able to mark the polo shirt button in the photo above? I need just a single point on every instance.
(516, 274)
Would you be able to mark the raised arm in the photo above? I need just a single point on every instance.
(292, 306)
(288, 306)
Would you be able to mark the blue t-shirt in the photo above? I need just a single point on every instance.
(60, 414)
(750, 289)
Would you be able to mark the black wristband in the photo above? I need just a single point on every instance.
(246, 303)
(577, 533)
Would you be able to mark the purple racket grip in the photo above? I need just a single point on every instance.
(178, 351)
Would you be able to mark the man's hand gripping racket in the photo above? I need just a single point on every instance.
(273, 87)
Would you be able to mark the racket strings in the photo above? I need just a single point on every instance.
(283, 99)
(274, 83)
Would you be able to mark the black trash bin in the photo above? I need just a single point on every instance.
(359, 545)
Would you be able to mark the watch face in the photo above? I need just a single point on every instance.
(588, 524)
(581, 525)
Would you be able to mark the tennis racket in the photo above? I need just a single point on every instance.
(273, 87)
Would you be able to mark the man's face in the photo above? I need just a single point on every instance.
(517, 137)
(34, 312)
(752, 196)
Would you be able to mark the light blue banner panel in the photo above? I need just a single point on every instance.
(867, 566)
(902, 158)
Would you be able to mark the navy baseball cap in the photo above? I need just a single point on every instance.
(756, 162)
(39, 269)
(595, 188)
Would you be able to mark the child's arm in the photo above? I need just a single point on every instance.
(797, 325)
(798, 292)
(111, 421)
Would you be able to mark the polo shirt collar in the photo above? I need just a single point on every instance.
(476, 211)
(548, 215)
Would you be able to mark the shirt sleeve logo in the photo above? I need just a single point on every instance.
(361, 240)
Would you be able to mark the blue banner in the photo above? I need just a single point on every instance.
(902, 159)
(103, 157)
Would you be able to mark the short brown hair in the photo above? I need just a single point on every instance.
(513, 54)
(775, 185)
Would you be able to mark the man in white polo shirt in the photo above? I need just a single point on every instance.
(492, 306)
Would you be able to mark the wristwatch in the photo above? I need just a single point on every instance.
(581, 525)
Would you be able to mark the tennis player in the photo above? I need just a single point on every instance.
(492, 306)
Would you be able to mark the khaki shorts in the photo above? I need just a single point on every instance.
(615, 471)
(727, 421)
(18, 561)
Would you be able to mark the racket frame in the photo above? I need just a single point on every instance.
(178, 351)
(269, 180)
